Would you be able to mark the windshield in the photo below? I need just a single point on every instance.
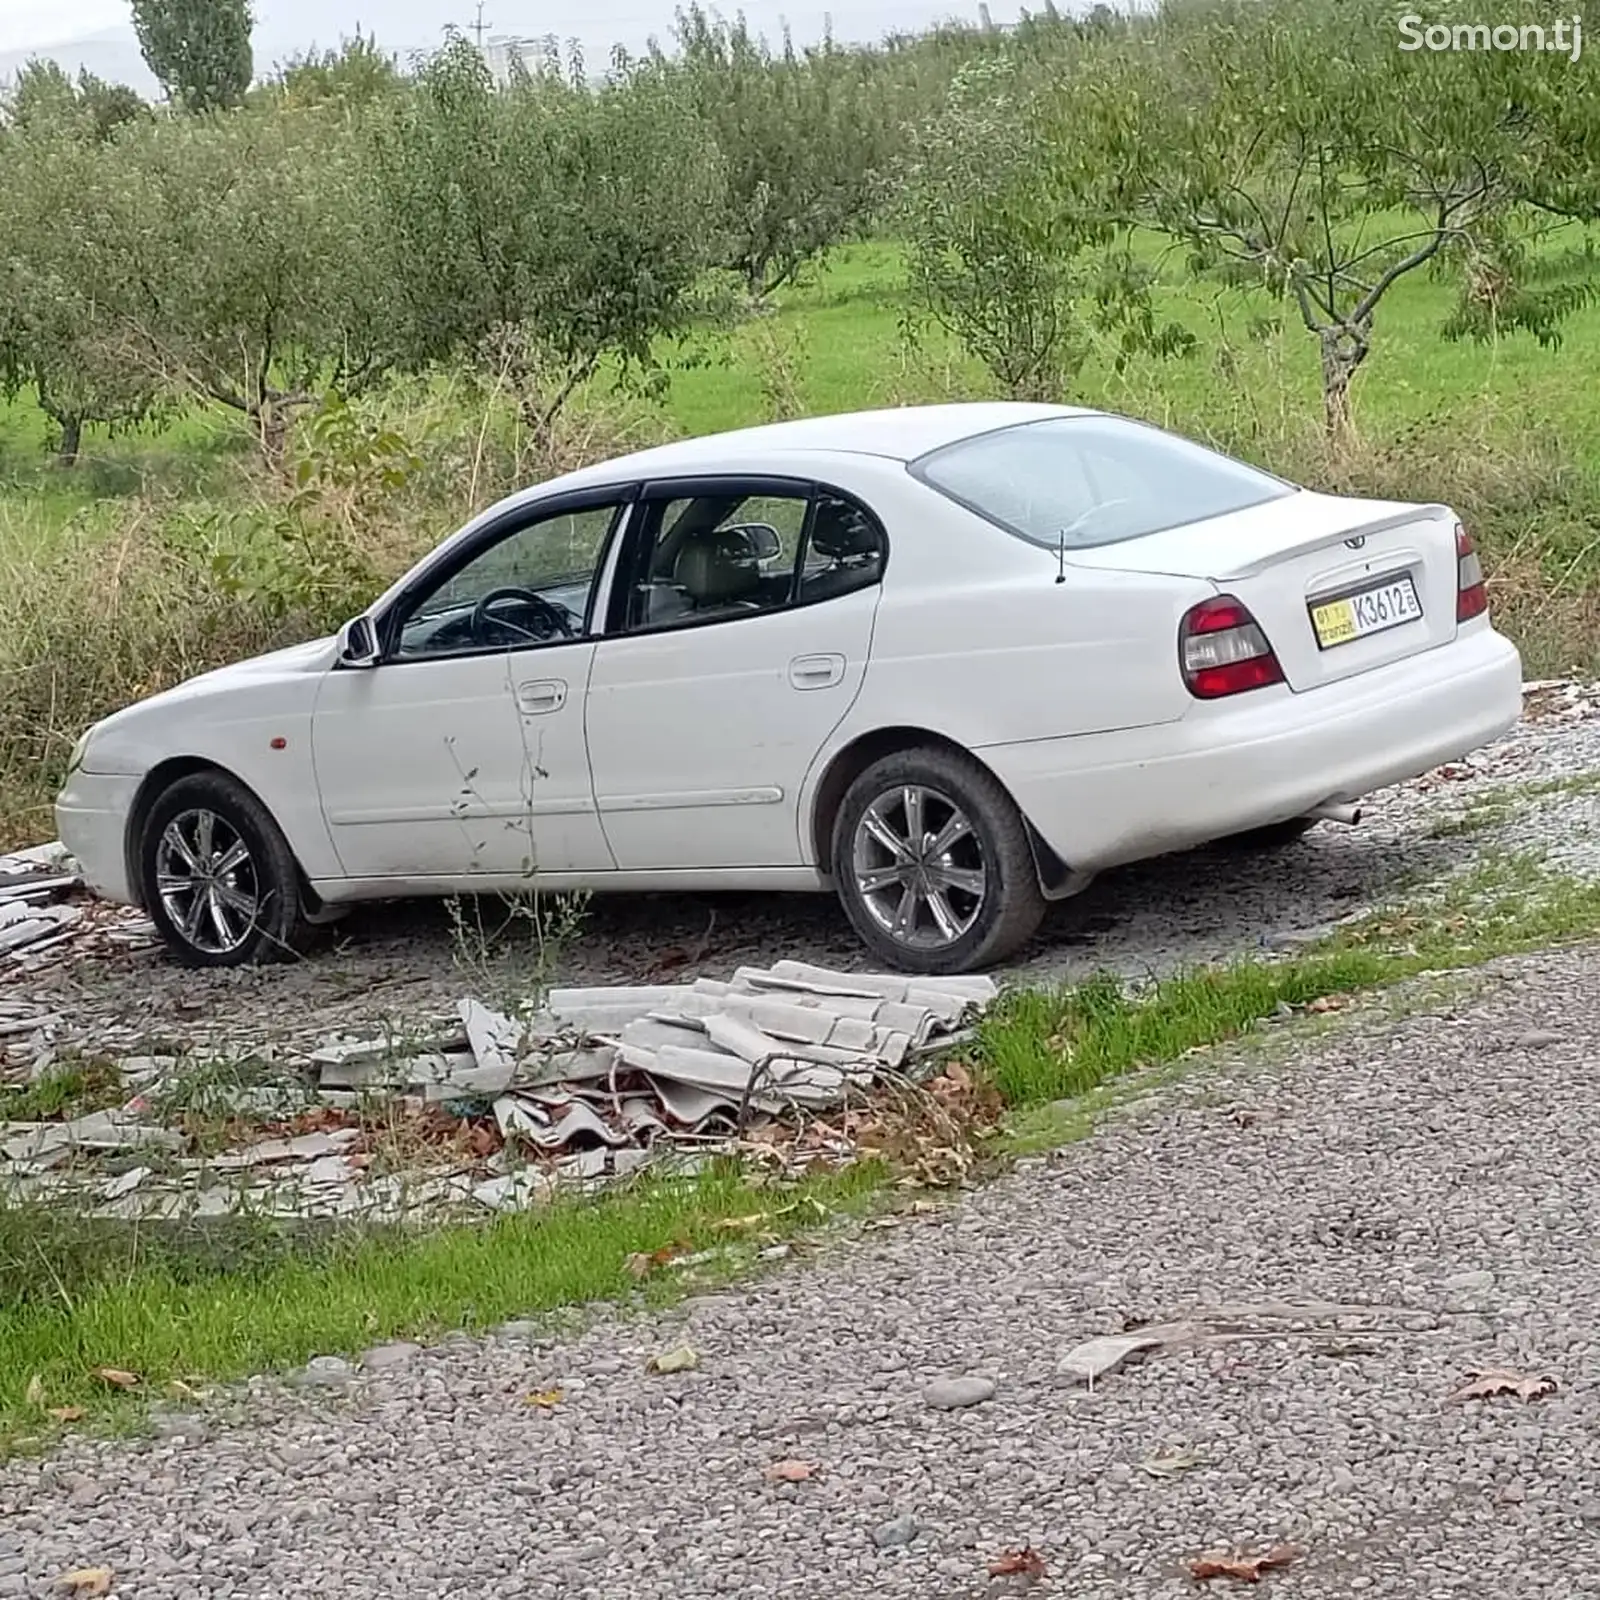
(1092, 480)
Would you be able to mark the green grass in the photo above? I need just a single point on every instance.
(200, 1303)
(1497, 806)
(66, 1090)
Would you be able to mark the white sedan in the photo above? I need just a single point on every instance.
(949, 662)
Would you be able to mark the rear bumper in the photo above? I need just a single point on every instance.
(92, 821)
(1105, 799)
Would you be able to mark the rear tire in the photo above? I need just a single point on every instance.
(932, 864)
(1275, 836)
(217, 876)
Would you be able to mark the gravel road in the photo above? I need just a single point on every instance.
(1435, 1170)
(395, 965)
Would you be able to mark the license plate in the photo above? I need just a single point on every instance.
(1388, 604)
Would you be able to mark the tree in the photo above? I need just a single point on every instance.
(803, 137)
(238, 256)
(1299, 147)
(1015, 248)
(45, 100)
(543, 229)
(357, 75)
(199, 50)
(58, 334)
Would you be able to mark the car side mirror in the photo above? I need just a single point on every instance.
(358, 643)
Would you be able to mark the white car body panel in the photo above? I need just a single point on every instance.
(700, 738)
(1280, 556)
(457, 743)
(692, 759)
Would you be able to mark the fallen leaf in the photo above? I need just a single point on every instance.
(86, 1582)
(33, 1395)
(1328, 1002)
(739, 1224)
(1486, 1385)
(679, 1359)
(546, 1398)
(67, 1413)
(643, 1262)
(1024, 1563)
(1244, 1569)
(791, 1471)
(1169, 1463)
(117, 1378)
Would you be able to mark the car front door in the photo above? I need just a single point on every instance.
(736, 639)
(461, 754)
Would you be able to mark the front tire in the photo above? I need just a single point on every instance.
(217, 876)
(932, 864)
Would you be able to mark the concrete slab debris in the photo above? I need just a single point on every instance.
(495, 1111)
(37, 926)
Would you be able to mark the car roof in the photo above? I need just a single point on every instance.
(899, 433)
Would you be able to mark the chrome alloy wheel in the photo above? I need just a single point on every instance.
(919, 868)
(207, 881)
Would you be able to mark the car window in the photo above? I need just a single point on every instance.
(1092, 480)
(530, 588)
(712, 558)
(844, 551)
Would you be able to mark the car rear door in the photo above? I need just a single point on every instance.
(713, 689)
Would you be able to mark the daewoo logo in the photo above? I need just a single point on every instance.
(1357, 542)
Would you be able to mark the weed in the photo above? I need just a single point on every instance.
(69, 1088)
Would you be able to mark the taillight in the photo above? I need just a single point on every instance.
(1472, 598)
(1224, 651)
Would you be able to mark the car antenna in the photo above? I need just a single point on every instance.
(1061, 555)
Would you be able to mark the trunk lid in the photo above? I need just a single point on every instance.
(1381, 577)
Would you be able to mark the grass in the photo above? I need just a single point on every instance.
(199, 1303)
(68, 1089)
(1497, 806)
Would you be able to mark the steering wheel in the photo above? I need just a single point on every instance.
(555, 620)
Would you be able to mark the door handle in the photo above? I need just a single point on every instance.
(545, 695)
(815, 672)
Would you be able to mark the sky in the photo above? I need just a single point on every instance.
(98, 34)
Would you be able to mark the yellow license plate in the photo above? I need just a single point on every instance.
(1335, 622)
(1390, 603)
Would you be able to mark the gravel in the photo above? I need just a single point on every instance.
(394, 965)
(1420, 1188)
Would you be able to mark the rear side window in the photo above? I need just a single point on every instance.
(1092, 480)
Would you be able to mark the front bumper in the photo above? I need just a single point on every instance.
(92, 822)
(1105, 799)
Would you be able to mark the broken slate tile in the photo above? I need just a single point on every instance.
(303, 1147)
(514, 1192)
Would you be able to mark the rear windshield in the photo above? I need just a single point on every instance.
(1091, 480)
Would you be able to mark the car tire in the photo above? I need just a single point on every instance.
(983, 887)
(245, 906)
(1275, 836)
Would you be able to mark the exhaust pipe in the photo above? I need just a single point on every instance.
(1350, 815)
